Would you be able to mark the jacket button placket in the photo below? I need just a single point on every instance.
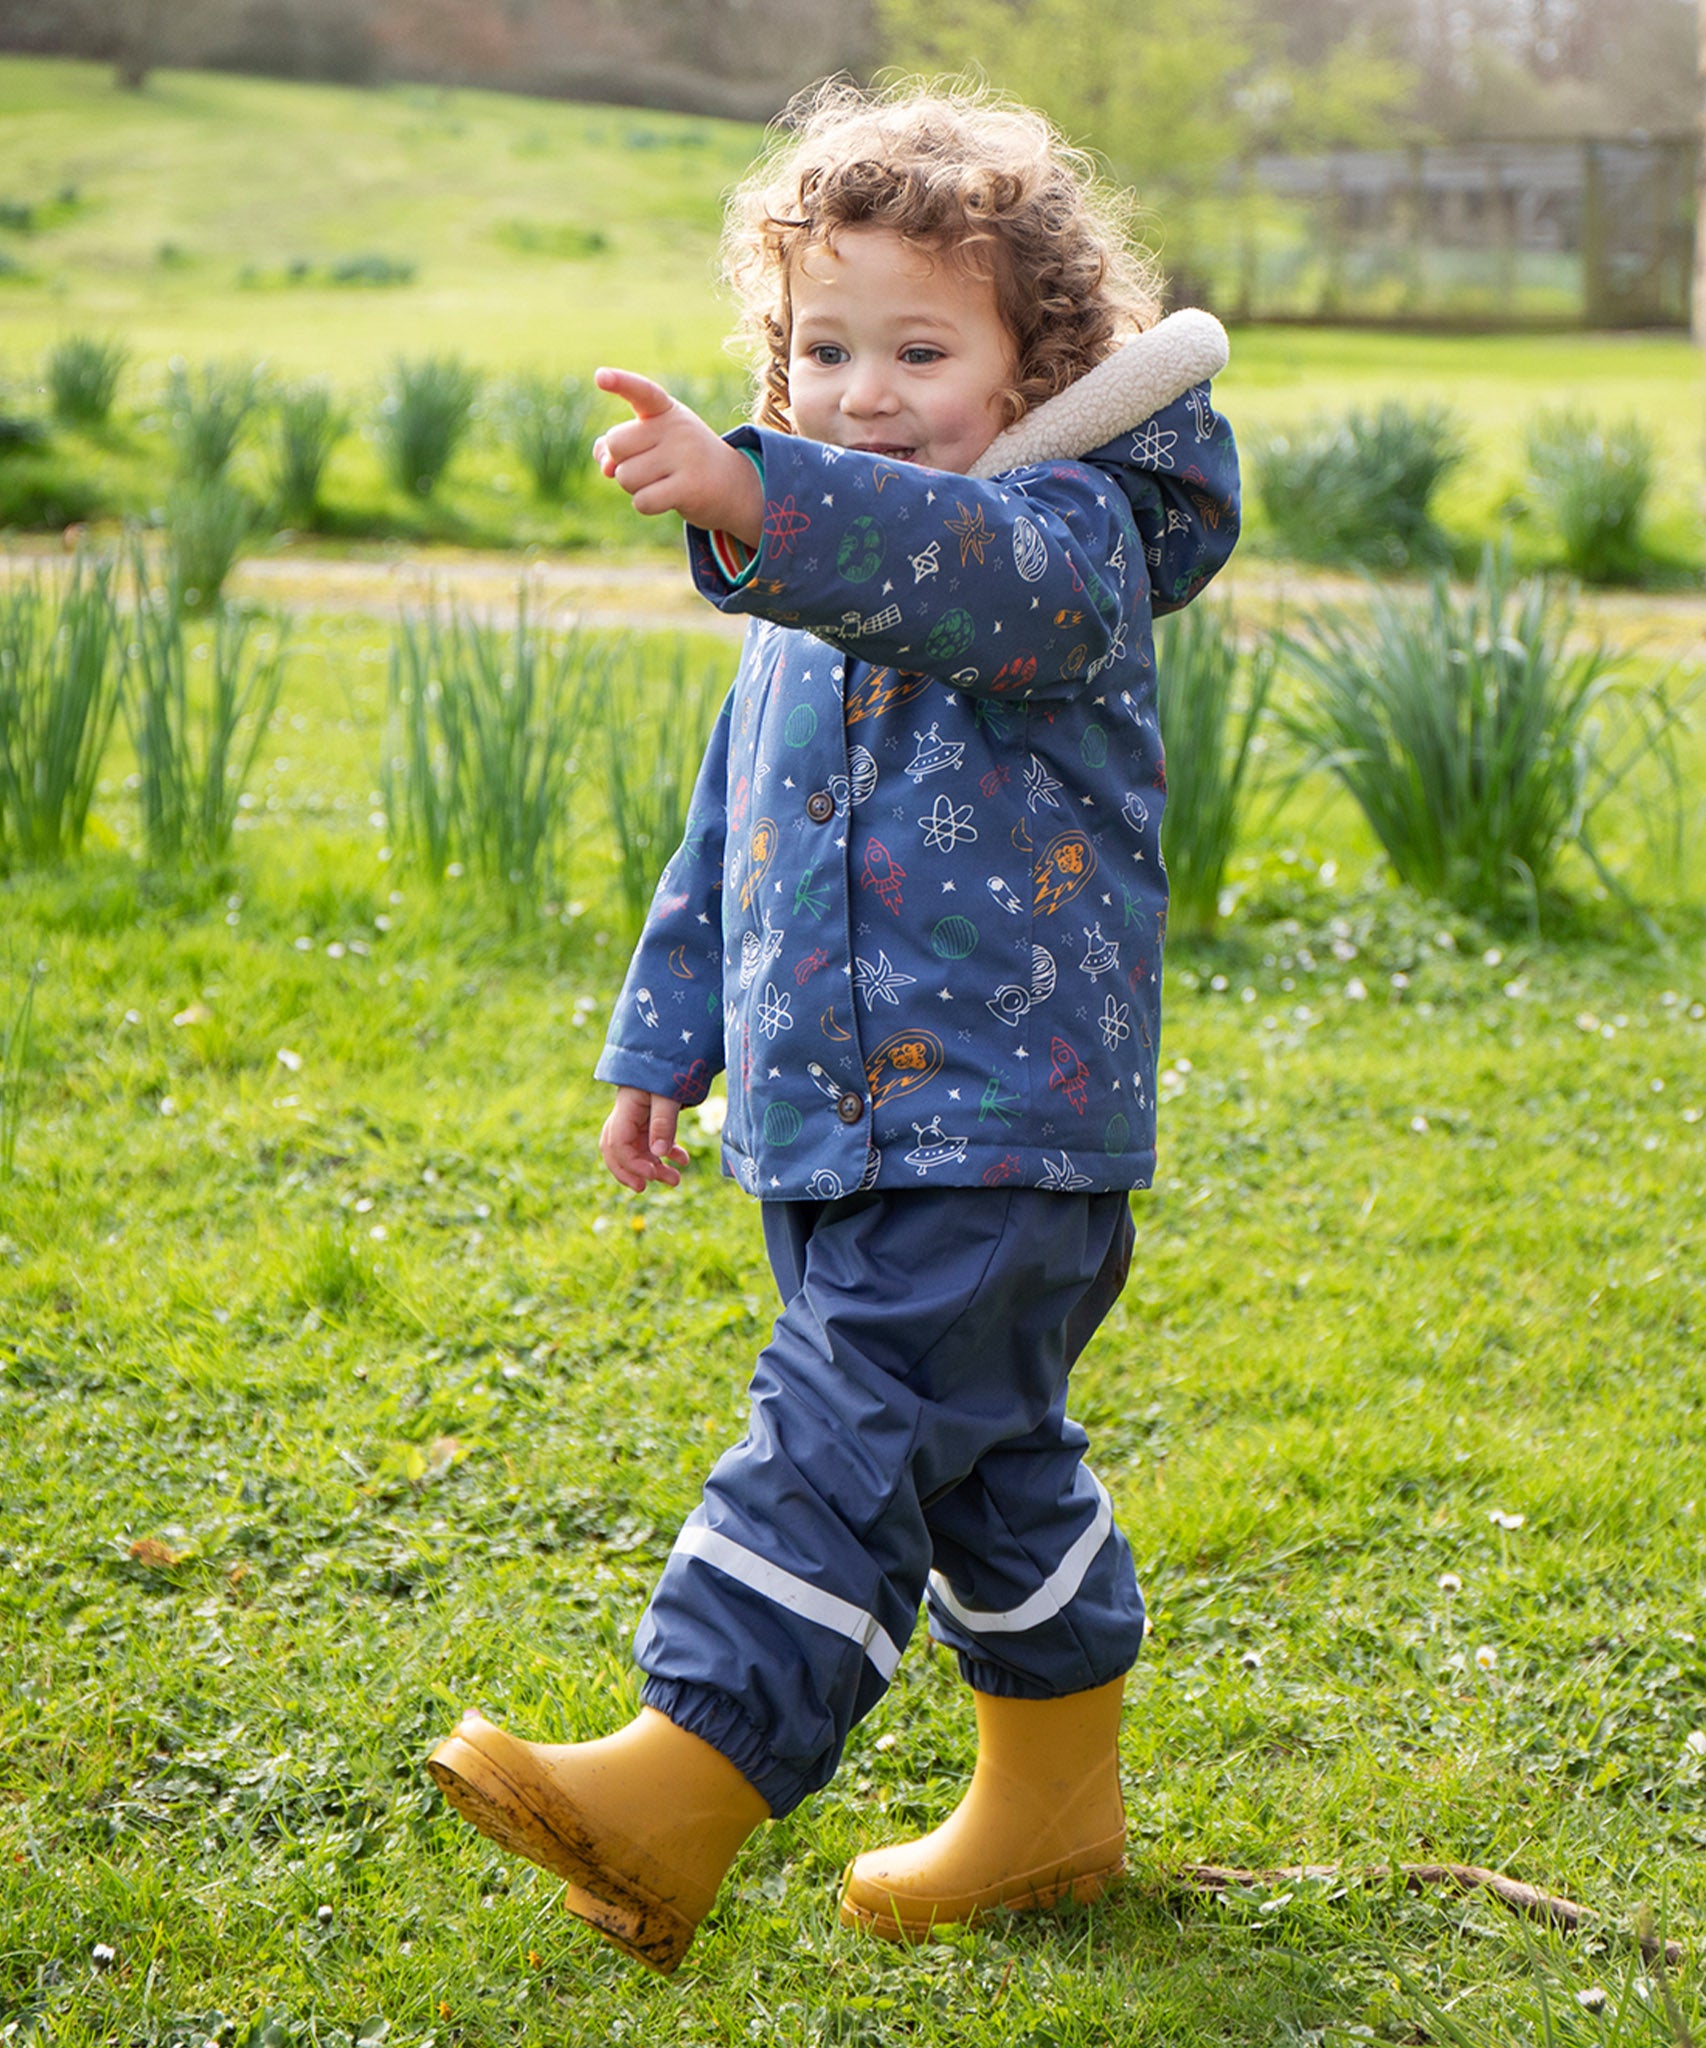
(849, 1106)
(820, 807)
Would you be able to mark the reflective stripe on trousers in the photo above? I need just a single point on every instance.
(907, 1430)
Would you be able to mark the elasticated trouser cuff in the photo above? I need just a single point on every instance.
(726, 1726)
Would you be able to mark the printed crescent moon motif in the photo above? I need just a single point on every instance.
(678, 964)
(828, 1026)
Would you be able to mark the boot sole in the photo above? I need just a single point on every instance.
(615, 1905)
(900, 1918)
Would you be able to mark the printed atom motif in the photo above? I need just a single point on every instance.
(783, 525)
(948, 825)
(941, 750)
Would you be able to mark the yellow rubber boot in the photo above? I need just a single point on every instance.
(1042, 1821)
(643, 1823)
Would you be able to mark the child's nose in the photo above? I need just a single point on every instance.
(868, 389)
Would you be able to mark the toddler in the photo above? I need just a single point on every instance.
(918, 917)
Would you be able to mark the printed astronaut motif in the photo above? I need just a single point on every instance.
(919, 910)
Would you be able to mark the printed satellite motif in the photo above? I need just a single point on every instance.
(918, 908)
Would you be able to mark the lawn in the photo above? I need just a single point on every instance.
(204, 219)
(340, 1387)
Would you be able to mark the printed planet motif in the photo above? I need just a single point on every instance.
(860, 554)
(954, 938)
(991, 644)
(949, 638)
(1030, 550)
(782, 1124)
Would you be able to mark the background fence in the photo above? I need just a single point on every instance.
(1510, 234)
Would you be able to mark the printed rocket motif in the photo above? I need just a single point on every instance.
(918, 907)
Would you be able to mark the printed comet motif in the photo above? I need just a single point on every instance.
(647, 1008)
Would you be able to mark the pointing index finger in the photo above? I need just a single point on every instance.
(646, 398)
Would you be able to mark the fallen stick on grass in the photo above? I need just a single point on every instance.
(1467, 1877)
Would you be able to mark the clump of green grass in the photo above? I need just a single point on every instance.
(14, 1052)
(19, 431)
(208, 410)
(1592, 484)
(62, 664)
(1360, 489)
(481, 730)
(207, 523)
(654, 729)
(308, 424)
(424, 417)
(549, 421)
(1477, 734)
(197, 708)
(1209, 728)
(83, 373)
(372, 270)
(336, 1273)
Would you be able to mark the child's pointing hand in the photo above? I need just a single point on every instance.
(668, 460)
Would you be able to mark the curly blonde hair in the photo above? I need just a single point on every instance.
(966, 176)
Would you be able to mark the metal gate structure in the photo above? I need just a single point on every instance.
(1584, 233)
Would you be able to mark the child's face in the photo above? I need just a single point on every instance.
(896, 351)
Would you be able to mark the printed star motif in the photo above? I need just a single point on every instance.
(880, 981)
(1040, 786)
(1061, 1177)
(973, 535)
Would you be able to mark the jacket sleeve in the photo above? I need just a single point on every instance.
(1182, 479)
(666, 1032)
(1014, 587)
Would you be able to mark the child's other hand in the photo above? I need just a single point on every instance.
(668, 460)
(638, 1140)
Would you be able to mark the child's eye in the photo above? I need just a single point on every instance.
(921, 355)
(827, 354)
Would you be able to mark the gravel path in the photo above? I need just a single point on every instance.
(652, 593)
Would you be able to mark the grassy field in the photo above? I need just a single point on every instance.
(541, 236)
(340, 1388)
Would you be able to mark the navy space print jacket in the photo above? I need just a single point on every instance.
(919, 909)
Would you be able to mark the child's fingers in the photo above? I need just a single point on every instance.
(660, 1137)
(647, 399)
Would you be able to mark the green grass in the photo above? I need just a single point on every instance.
(211, 211)
(341, 1389)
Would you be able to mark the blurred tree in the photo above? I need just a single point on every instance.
(1174, 102)
(1169, 99)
